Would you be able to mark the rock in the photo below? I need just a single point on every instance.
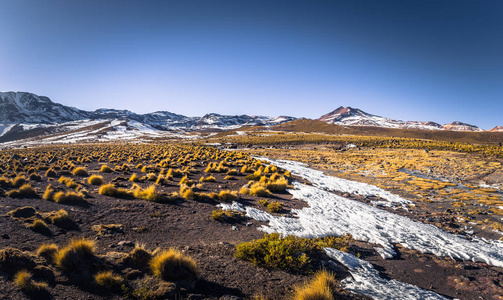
(126, 243)
(235, 228)
(249, 224)
(230, 297)
(195, 296)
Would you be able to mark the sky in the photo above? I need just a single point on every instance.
(427, 60)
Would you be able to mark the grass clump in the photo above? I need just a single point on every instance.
(95, 180)
(106, 169)
(208, 179)
(108, 279)
(25, 191)
(38, 226)
(274, 207)
(80, 171)
(173, 265)
(229, 216)
(255, 189)
(69, 197)
(323, 286)
(73, 256)
(112, 191)
(24, 281)
(228, 196)
(47, 251)
(107, 229)
(68, 182)
(149, 194)
(134, 178)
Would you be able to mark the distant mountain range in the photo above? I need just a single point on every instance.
(349, 116)
(28, 108)
(25, 116)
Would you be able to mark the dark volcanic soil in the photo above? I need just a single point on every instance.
(187, 226)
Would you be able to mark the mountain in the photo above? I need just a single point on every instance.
(497, 129)
(348, 116)
(459, 126)
(26, 115)
(20, 107)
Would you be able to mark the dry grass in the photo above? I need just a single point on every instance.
(95, 180)
(81, 172)
(173, 265)
(110, 190)
(48, 251)
(23, 280)
(73, 256)
(321, 287)
(108, 279)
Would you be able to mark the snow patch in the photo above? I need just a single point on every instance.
(366, 280)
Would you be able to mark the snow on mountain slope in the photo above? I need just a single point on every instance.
(349, 116)
(497, 129)
(355, 117)
(20, 107)
(459, 126)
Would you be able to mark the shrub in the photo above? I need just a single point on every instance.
(106, 169)
(274, 207)
(186, 192)
(323, 286)
(112, 191)
(140, 257)
(51, 173)
(149, 194)
(23, 280)
(228, 216)
(288, 253)
(80, 171)
(73, 256)
(228, 196)
(263, 202)
(151, 177)
(68, 182)
(232, 172)
(25, 191)
(47, 251)
(59, 218)
(95, 180)
(19, 181)
(38, 226)
(35, 177)
(108, 279)
(107, 229)
(134, 178)
(278, 185)
(49, 193)
(228, 177)
(256, 189)
(69, 198)
(173, 265)
(208, 179)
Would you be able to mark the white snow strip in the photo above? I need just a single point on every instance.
(366, 280)
(332, 183)
(330, 214)
(251, 212)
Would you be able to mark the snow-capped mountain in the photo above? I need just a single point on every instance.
(349, 116)
(26, 114)
(459, 126)
(497, 129)
(20, 107)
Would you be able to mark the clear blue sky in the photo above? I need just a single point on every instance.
(411, 60)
